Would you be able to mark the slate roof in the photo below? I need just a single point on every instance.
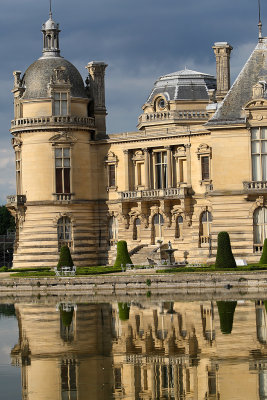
(230, 111)
(184, 85)
(37, 78)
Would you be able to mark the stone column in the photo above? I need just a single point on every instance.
(147, 159)
(188, 161)
(169, 166)
(126, 164)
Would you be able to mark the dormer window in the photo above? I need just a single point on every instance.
(60, 103)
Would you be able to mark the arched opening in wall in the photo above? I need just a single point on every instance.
(205, 228)
(64, 233)
(113, 230)
(179, 227)
(136, 229)
(259, 228)
(157, 228)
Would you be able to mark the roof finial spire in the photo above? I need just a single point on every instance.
(50, 10)
(260, 24)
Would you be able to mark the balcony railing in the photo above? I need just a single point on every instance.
(16, 200)
(154, 193)
(173, 115)
(255, 186)
(21, 123)
(63, 196)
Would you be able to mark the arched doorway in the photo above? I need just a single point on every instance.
(158, 228)
(259, 227)
(205, 228)
(136, 229)
(179, 227)
(113, 230)
(64, 233)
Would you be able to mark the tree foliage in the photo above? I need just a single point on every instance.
(7, 222)
(123, 257)
(224, 257)
(65, 259)
(226, 311)
(263, 259)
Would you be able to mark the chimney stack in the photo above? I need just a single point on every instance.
(222, 51)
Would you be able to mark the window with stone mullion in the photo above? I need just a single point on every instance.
(259, 154)
(62, 161)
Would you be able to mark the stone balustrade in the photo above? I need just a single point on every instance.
(21, 123)
(63, 196)
(257, 186)
(153, 193)
(169, 115)
(16, 200)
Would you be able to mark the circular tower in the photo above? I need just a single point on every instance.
(57, 118)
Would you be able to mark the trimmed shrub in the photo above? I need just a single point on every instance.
(3, 269)
(226, 311)
(123, 257)
(65, 259)
(263, 259)
(124, 311)
(224, 257)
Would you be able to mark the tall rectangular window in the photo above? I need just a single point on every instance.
(205, 168)
(111, 175)
(18, 171)
(62, 164)
(259, 154)
(60, 103)
(161, 170)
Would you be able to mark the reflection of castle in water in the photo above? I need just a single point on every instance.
(174, 351)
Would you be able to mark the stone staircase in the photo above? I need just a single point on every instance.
(142, 254)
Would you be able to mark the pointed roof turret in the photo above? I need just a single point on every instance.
(231, 110)
(50, 31)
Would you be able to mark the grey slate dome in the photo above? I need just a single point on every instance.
(184, 85)
(38, 75)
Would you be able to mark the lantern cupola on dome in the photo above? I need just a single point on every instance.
(51, 31)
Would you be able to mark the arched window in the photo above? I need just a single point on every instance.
(259, 227)
(205, 227)
(136, 229)
(158, 227)
(64, 231)
(179, 227)
(113, 230)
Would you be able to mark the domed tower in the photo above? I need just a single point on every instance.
(56, 119)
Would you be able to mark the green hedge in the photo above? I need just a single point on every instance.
(65, 259)
(226, 311)
(263, 259)
(123, 257)
(224, 257)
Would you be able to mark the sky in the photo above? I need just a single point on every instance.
(139, 40)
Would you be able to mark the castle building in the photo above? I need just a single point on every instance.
(196, 166)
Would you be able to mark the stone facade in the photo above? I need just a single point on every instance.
(183, 177)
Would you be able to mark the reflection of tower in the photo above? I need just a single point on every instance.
(58, 368)
(261, 321)
(207, 317)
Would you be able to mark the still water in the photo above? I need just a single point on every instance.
(201, 350)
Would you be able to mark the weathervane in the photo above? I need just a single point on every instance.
(260, 24)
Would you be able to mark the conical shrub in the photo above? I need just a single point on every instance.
(224, 257)
(263, 259)
(123, 257)
(226, 311)
(124, 311)
(66, 317)
(65, 259)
